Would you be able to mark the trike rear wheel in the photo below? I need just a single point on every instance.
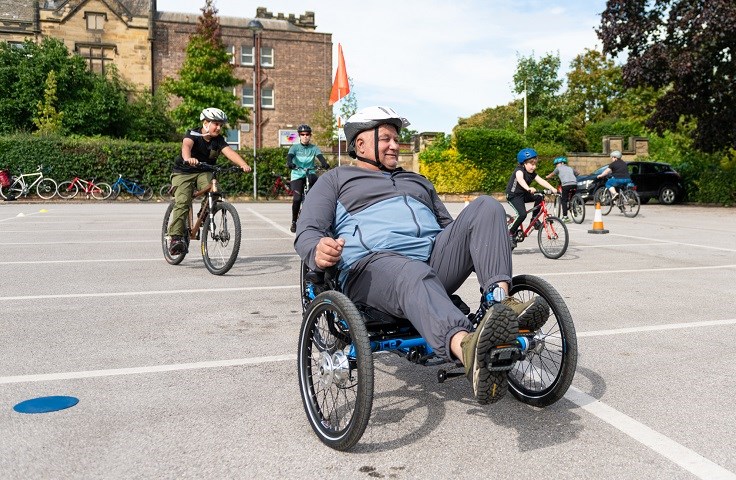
(221, 239)
(335, 367)
(553, 238)
(548, 368)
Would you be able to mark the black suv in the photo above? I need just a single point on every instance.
(652, 180)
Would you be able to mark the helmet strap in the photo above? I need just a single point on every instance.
(375, 162)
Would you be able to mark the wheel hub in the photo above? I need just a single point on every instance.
(333, 369)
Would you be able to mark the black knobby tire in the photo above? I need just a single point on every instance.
(545, 374)
(335, 371)
(173, 259)
(598, 195)
(221, 239)
(553, 238)
(631, 203)
(46, 188)
(577, 208)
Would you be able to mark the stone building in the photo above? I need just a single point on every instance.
(147, 46)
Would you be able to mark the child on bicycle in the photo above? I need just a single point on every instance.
(568, 179)
(519, 190)
(200, 145)
(301, 159)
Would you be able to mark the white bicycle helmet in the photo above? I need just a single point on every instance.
(213, 114)
(371, 118)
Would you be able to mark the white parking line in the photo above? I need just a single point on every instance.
(157, 240)
(678, 454)
(124, 260)
(270, 222)
(154, 292)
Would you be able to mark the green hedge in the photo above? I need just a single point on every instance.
(103, 159)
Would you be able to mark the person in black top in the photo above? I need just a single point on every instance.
(519, 190)
(200, 146)
(619, 172)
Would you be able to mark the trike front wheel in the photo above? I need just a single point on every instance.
(546, 372)
(221, 238)
(335, 367)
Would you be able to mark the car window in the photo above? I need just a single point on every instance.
(648, 168)
(633, 168)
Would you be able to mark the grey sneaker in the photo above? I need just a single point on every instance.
(531, 314)
(497, 327)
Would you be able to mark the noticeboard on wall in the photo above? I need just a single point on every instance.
(288, 137)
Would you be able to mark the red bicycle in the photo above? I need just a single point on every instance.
(98, 191)
(551, 231)
(279, 187)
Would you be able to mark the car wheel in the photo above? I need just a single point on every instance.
(667, 195)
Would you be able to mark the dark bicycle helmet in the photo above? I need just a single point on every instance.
(559, 160)
(371, 118)
(304, 128)
(213, 115)
(526, 154)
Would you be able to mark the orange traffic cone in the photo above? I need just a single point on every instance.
(598, 220)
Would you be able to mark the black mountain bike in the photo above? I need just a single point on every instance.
(217, 224)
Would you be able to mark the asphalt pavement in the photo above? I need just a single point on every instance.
(182, 374)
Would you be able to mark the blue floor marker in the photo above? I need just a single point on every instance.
(45, 404)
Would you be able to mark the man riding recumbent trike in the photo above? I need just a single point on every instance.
(381, 257)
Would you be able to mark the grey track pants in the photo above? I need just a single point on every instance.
(419, 291)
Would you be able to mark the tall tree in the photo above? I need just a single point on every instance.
(540, 80)
(593, 85)
(206, 78)
(686, 47)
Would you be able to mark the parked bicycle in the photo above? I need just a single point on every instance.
(280, 187)
(551, 231)
(23, 184)
(133, 187)
(575, 205)
(98, 191)
(627, 201)
(217, 224)
(164, 193)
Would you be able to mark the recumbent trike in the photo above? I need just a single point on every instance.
(338, 338)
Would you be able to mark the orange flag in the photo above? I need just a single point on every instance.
(341, 86)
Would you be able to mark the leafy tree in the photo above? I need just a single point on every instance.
(504, 117)
(48, 120)
(593, 85)
(348, 103)
(206, 78)
(686, 47)
(324, 127)
(541, 82)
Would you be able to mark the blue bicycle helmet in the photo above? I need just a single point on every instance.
(560, 160)
(525, 154)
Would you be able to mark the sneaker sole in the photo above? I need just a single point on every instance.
(500, 329)
(535, 316)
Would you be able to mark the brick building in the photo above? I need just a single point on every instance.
(147, 46)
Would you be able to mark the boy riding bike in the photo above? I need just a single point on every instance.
(519, 190)
(569, 183)
(200, 145)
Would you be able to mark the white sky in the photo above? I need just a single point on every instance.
(434, 61)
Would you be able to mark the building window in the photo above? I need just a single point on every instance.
(246, 55)
(232, 137)
(97, 56)
(248, 96)
(231, 52)
(95, 21)
(267, 97)
(18, 45)
(266, 57)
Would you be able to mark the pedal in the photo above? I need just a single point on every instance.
(503, 358)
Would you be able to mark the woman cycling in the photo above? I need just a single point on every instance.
(301, 159)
